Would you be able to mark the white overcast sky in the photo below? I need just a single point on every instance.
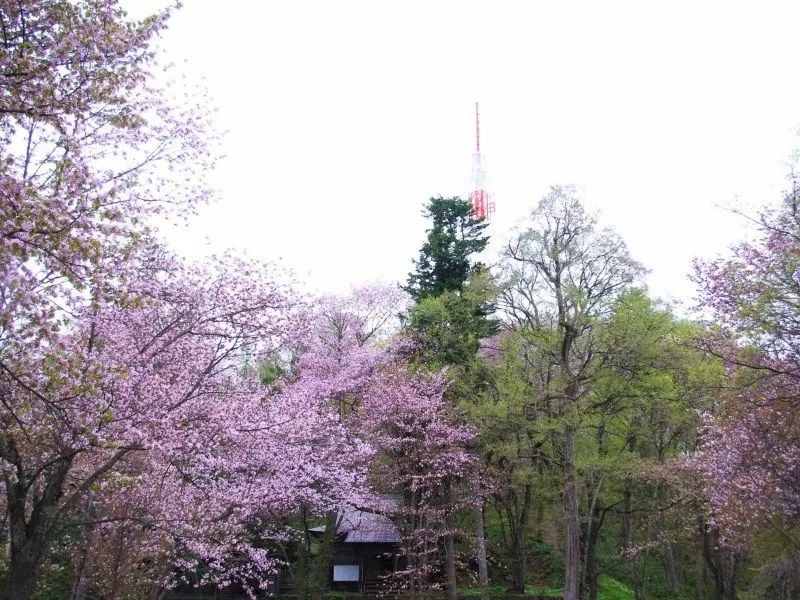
(343, 117)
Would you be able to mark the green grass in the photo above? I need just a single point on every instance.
(611, 589)
(544, 591)
(607, 589)
(475, 592)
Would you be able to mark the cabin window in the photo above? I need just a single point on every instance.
(345, 572)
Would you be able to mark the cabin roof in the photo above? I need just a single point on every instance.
(364, 527)
(361, 526)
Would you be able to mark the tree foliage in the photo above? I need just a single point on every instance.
(564, 276)
(90, 151)
(445, 261)
(454, 301)
(141, 445)
(750, 456)
(447, 328)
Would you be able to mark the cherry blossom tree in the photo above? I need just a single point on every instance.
(751, 445)
(121, 394)
(423, 450)
(142, 406)
(90, 149)
(128, 412)
(349, 337)
(750, 453)
(414, 445)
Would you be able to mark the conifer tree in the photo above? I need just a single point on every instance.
(445, 258)
(453, 300)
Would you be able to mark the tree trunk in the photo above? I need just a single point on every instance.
(671, 567)
(589, 570)
(572, 518)
(518, 517)
(590, 534)
(80, 590)
(322, 563)
(480, 535)
(23, 573)
(722, 562)
(628, 525)
(450, 546)
(724, 587)
(313, 567)
(33, 514)
(450, 561)
(518, 565)
(29, 540)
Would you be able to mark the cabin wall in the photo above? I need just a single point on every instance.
(374, 562)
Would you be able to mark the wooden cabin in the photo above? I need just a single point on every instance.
(365, 551)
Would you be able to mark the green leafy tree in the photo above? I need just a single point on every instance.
(447, 328)
(514, 450)
(642, 410)
(564, 275)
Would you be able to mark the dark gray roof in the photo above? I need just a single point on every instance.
(362, 526)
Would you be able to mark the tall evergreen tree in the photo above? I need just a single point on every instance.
(453, 300)
(445, 259)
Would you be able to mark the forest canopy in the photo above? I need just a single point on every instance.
(538, 422)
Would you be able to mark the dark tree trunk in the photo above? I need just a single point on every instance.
(29, 537)
(23, 574)
(721, 561)
(450, 561)
(80, 586)
(303, 565)
(724, 586)
(591, 534)
(518, 523)
(322, 564)
(672, 569)
(572, 518)
(34, 510)
(157, 592)
(628, 527)
(450, 546)
(518, 570)
(79, 590)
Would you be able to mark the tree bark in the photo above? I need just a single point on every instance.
(450, 547)
(31, 531)
(80, 590)
(29, 537)
(22, 577)
(671, 567)
(572, 518)
(450, 561)
(480, 535)
(722, 562)
(589, 570)
(322, 564)
(518, 566)
(519, 523)
(590, 534)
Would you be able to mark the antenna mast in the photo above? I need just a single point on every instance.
(482, 206)
(477, 129)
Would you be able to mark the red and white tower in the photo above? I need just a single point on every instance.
(482, 206)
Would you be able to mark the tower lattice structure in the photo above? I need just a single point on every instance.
(482, 204)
